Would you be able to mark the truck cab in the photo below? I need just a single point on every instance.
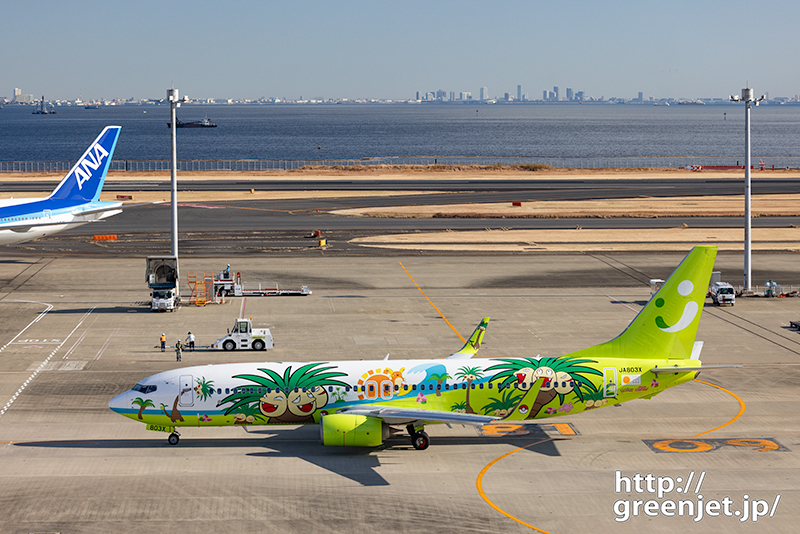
(722, 293)
(163, 300)
(243, 337)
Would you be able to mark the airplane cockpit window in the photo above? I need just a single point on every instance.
(145, 389)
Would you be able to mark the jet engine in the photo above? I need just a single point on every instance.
(346, 430)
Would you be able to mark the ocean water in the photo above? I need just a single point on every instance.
(308, 132)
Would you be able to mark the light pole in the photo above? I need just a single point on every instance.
(747, 98)
(174, 103)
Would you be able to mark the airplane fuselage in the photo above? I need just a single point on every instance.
(300, 393)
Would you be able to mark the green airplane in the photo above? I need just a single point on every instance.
(362, 403)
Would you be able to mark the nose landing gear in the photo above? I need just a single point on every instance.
(174, 438)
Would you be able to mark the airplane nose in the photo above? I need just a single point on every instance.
(119, 402)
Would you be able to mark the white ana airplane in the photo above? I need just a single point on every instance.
(361, 403)
(74, 202)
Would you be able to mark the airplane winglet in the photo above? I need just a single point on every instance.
(473, 344)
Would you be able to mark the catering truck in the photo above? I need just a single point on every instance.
(162, 278)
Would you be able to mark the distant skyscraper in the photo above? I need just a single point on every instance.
(519, 92)
(579, 96)
(544, 94)
(441, 94)
(555, 91)
(551, 96)
(452, 96)
(569, 94)
(466, 95)
(641, 97)
(417, 95)
(484, 93)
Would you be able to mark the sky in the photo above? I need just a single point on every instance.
(389, 50)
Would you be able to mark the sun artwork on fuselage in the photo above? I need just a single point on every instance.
(379, 383)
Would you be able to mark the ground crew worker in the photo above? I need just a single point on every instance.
(163, 342)
(190, 342)
(178, 351)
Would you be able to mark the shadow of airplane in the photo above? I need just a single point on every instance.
(355, 463)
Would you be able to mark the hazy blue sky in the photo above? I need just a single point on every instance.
(381, 49)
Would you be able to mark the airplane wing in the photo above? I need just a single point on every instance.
(402, 416)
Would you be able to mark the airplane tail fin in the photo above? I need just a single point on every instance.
(472, 345)
(85, 181)
(667, 326)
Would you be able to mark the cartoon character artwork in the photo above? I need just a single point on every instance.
(559, 377)
(469, 375)
(204, 388)
(175, 414)
(291, 398)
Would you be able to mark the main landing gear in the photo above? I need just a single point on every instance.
(174, 438)
(419, 439)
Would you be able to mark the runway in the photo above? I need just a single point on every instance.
(77, 331)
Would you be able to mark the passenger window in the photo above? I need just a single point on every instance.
(304, 389)
(227, 391)
(371, 388)
(413, 387)
(480, 386)
(396, 387)
(490, 385)
(472, 386)
(347, 388)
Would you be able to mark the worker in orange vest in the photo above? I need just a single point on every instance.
(163, 342)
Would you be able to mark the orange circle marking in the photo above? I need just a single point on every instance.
(665, 445)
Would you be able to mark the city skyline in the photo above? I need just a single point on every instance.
(365, 50)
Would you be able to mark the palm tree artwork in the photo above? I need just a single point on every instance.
(469, 375)
(142, 404)
(559, 375)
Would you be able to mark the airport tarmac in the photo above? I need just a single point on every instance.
(72, 465)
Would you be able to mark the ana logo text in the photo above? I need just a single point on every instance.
(83, 171)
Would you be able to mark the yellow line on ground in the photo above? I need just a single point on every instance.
(738, 415)
(479, 485)
(432, 304)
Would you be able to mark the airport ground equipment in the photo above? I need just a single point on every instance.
(722, 293)
(243, 336)
(162, 278)
(229, 283)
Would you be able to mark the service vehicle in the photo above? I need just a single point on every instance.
(243, 336)
(162, 277)
(722, 293)
(228, 283)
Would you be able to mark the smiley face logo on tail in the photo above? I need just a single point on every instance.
(689, 311)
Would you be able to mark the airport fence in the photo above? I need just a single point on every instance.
(216, 165)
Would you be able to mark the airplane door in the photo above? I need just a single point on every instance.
(47, 214)
(609, 382)
(187, 390)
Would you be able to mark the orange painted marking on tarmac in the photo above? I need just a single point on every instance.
(432, 304)
(562, 428)
(479, 485)
(737, 416)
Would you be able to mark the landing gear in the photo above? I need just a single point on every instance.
(174, 438)
(419, 439)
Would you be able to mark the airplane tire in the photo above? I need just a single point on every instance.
(229, 345)
(258, 345)
(173, 439)
(420, 441)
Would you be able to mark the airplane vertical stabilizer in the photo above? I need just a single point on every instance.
(666, 327)
(85, 180)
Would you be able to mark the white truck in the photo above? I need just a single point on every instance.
(243, 336)
(722, 293)
(162, 278)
